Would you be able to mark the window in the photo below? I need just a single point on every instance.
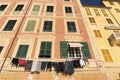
(109, 21)
(106, 55)
(22, 51)
(19, 7)
(45, 50)
(1, 47)
(97, 33)
(66, 0)
(88, 12)
(104, 13)
(74, 52)
(47, 26)
(111, 3)
(67, 50)
(117, 10)
(9, 26)
(71, 27)
(68, 10)
(36, 8)
(97, 12)
(92, 20)
(116, 31)
(49, 9)
(30, 25)
(2, 7)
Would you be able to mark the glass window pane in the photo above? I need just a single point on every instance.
(10, 24)
(1, 47)
(2, 7)
(19, 7)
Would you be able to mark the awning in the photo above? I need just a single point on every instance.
(75, 44)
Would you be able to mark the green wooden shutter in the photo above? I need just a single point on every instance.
(45, 50)
(30, 25)
(36, 8)
(22, 51)
(63, 49)
(85, 50)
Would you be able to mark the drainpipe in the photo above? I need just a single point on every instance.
(15, 36)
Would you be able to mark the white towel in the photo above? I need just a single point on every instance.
(34, 65)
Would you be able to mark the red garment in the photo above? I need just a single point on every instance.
(21, 62)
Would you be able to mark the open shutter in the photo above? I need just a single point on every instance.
(63, 49)
(85, 50)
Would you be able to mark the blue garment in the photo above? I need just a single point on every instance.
(44, 65)
(28, 65)
(69, 67)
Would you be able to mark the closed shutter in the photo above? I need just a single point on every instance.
(36, 8)
(9, 26)
(106, 55)
(63, 49)
(30, 25)
(85, 50)
(45, 50)
(22, 51)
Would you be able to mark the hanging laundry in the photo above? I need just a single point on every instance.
(38, 68)
(34, 65)
(82, 63)
(28, 65)
(21, 62)
(59, 67)
(69, 67)
(44, 65)
(14, 62)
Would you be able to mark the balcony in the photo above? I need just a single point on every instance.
(112, 27)
(114, 39)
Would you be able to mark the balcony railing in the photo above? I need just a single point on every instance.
(112, 27)
(114, 39)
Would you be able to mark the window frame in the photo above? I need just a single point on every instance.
(18, 49)
(17, 9)
(96, 12)
(109, 21)
(49, 11)
(45, 49)
(7, 24)
(4, 8)
(1, 49)
(88, 12)
(97, 33)
(92, 20)
(108, 54)
(47, 22)
(71, 27)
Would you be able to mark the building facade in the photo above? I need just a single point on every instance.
(55, 30)
(103, 27)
